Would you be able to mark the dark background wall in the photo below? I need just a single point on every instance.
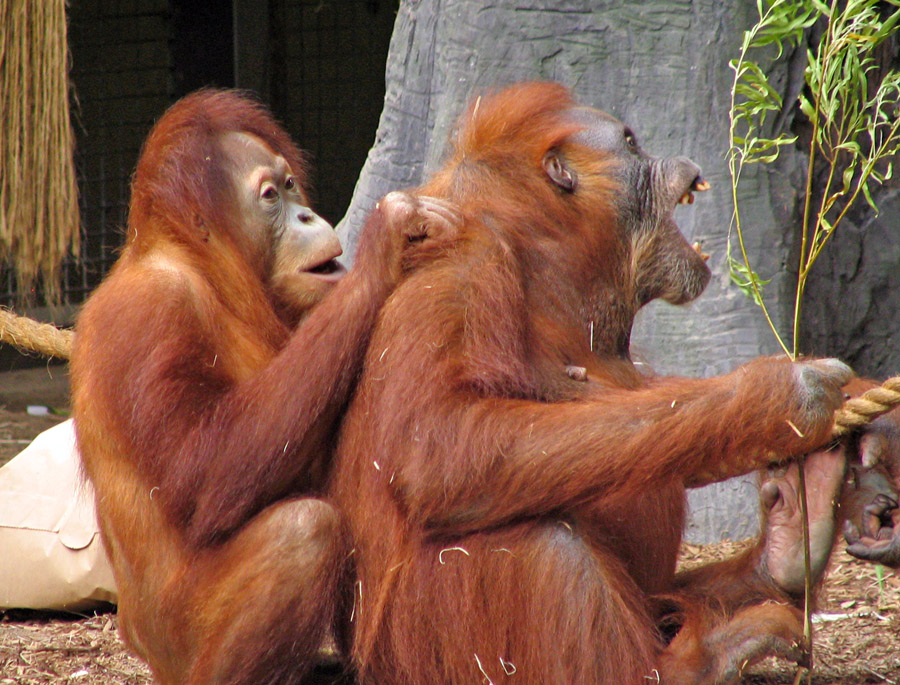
(318, 63)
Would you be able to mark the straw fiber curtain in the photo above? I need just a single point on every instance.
(38, 195)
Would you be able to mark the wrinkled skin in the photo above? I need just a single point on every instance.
(779, 500)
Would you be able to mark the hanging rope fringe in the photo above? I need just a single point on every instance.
(39, 217)
(29, 335)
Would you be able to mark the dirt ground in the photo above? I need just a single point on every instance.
(43, 386)
(857, 634)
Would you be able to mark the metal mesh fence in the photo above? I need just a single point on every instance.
(333, 88)
(325, 80)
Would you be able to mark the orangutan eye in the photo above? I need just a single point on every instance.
(270, 193)
(630, 140)
(290, 183)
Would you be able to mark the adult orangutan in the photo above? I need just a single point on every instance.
(514, 487)
(204, 422)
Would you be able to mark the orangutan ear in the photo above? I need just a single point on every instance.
(559, 172)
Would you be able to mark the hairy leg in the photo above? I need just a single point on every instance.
(531, 603)
(267, 600)
(729, 615)
(710, 650)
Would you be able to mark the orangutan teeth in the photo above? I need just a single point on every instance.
(699, 250)
(700, 184)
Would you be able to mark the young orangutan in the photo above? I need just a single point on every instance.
(204, 420)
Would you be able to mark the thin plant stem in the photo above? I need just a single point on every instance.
(807, 561)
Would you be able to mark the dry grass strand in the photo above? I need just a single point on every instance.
(39, 217)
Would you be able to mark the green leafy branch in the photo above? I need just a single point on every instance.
(753, 100)
(855, 135)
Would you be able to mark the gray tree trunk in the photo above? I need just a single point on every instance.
(662, 67)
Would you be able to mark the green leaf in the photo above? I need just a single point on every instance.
(807, 107)
(745, 279)
(821, 7)
(868, 195)
(888, 26)
(848, 177)
(850, 146)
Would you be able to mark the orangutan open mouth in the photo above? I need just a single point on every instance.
(330, 269)
(699, 184)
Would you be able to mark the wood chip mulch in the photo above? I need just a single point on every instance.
(856, 643)
(856, 639)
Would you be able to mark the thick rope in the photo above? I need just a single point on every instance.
(861, 411)
(31, 336)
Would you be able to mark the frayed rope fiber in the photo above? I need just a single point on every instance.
(29, 335)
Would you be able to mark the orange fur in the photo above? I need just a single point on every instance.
(511, 523)
(202, 419)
